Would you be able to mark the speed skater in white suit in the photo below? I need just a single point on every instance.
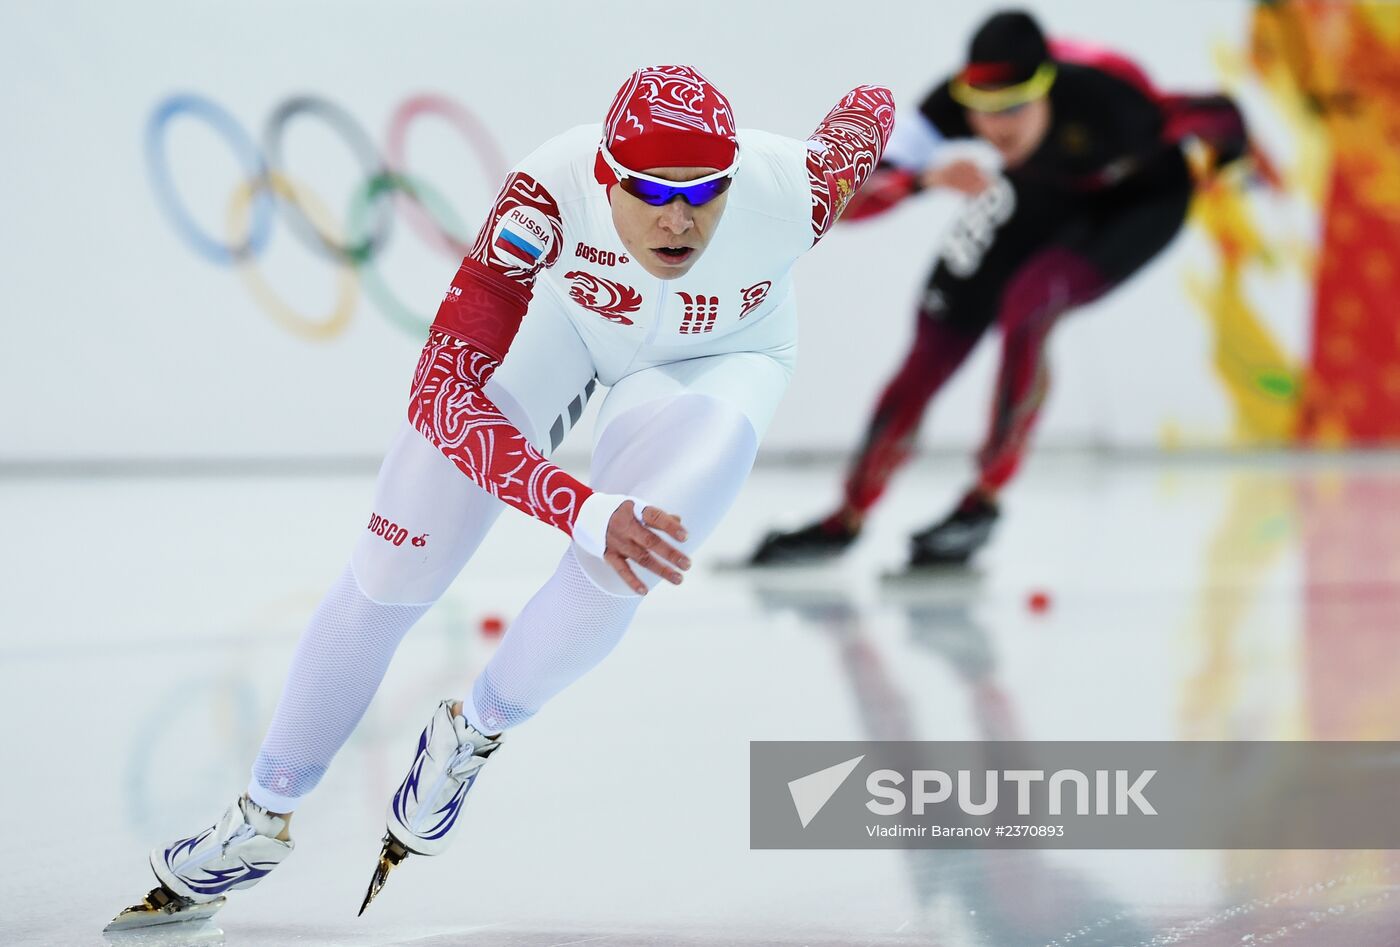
(663, 241)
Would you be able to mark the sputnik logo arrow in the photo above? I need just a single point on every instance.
(813, 791)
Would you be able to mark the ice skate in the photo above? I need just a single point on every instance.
(823, 540)
(163, 906)
(194, 873)
(952, 540)
(425, 807)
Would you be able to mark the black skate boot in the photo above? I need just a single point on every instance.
(952, 540)
(823, 540)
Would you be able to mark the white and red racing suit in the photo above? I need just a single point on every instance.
(549, 253)
(545, 306)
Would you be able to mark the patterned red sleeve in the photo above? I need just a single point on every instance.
(522, 235)
(844, 150)
(474, 328)
(449, 408)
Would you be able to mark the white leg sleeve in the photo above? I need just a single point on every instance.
(686, 453)
(564, 630)
(339, 662)
(426, 522)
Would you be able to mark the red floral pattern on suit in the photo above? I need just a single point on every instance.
(449, 408)
(608, 298)
(844, 150)
(475, 325)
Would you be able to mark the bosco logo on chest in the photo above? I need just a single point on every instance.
(600, 257)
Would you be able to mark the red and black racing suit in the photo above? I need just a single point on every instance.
(1105, 192)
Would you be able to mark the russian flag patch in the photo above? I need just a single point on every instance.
(522, 238)
(518, 246)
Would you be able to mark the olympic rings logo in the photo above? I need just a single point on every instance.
(352, 246)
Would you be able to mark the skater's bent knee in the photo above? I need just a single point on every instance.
(388, 577)
(674, 430)
(604, 578)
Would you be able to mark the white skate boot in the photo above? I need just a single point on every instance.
(194, 873)
(425, 807)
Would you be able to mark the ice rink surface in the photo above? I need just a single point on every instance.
(147, 623)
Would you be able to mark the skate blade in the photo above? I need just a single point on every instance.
(747, 564)
(950, 574)
(163, 906)
(389, 859)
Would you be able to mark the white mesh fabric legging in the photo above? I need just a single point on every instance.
(687, 452)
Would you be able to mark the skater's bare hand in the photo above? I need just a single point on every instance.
(631, 541)
(962, 175)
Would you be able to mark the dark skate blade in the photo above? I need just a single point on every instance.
(809, 563)
(389, 859)
(797, 587)
(950, 573)
(809, 572)
(146, 914)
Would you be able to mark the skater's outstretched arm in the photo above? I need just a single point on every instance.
(473, 331)
(844, 151)
(1213, 120)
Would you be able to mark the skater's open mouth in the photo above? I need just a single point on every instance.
(672, 256)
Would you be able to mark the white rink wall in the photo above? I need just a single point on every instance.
(122, 342)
